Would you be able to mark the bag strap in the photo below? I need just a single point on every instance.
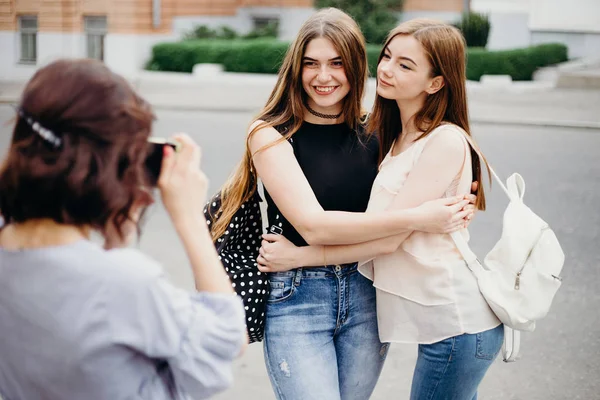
(514, 189)
(512, 344)
(516, 184)
(262, 204)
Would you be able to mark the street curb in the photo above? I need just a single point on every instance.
(543, 124)
(476, 120)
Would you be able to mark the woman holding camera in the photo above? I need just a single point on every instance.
(82, 321)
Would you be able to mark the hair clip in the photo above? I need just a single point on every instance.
(44, 133)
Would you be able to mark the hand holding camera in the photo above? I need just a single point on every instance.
(181, 183)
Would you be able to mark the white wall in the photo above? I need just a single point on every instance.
(565, 16)
(509, 21)
(290, 20)
(575, 23)
(50, 46)
(446, 16)
(520, 23)
(127, 54)
(501, 6)
(581, 45)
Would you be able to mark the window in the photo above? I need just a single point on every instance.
(28, 27)
(264, 22)
(95, 30)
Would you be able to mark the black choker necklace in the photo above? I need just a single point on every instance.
(321, 115)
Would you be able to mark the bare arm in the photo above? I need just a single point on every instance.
(183, 189)
(297, 202)
(441, 160)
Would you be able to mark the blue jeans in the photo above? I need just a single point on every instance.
(321, 339)
(453, 368)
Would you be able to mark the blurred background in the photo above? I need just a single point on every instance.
(208, 66)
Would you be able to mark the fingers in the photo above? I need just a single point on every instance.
(460, 216)
(166, 169)
(187, 147)
(474, 187)
(262, 265)
(449, 201)
(270, 237)
(263, 253)
(471, 198)
(456, 226)
(458, 206)
(471, 208)
(188, 156)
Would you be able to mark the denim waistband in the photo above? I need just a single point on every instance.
(318, 272)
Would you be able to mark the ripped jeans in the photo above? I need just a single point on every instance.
(321, 338)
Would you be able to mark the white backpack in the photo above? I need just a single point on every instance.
(521, 274)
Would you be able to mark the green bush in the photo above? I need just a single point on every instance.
(375, 17)
(259, 55)
(271, 30)
(520, 64)
(265, 56)
(201, 32)
(373, 52)
(226, 32)
(475, 28)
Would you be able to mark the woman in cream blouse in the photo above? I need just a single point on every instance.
(425, 292)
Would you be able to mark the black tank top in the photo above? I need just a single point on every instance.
(340, 165)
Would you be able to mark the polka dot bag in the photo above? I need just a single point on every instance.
(238, 249)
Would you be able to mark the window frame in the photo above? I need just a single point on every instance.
(95, 36)
(31, 33)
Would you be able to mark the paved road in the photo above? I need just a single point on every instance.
(560, 359)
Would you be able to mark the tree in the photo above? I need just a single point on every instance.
(375, 17)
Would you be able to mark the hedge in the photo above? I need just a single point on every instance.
(520, 64)
(266, 55)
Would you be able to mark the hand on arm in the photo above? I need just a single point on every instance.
(439, 164)
(271, 156)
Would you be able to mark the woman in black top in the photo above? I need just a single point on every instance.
(321, 339)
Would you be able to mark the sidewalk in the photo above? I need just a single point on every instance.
(518, 103)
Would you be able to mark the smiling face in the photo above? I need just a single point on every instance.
(404, 71)
(323, 76)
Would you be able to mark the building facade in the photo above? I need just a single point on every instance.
(519, 23)
(122, 32)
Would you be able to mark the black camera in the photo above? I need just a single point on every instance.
(154, 158)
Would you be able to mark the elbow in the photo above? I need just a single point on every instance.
(311, 232)
(312, 237)
(316, 237)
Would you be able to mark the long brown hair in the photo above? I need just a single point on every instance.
(444, 46)
(285, 107)
(94, 176)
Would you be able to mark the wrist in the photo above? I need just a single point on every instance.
(410, 219)
(190, 225)
(313, 255)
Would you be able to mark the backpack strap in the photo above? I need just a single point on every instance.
(263, 205)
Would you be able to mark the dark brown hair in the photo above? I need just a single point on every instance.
(94, 177)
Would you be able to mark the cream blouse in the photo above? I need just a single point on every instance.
(425, 292)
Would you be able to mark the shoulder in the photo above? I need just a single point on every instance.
(449, 138)
(261, 133)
